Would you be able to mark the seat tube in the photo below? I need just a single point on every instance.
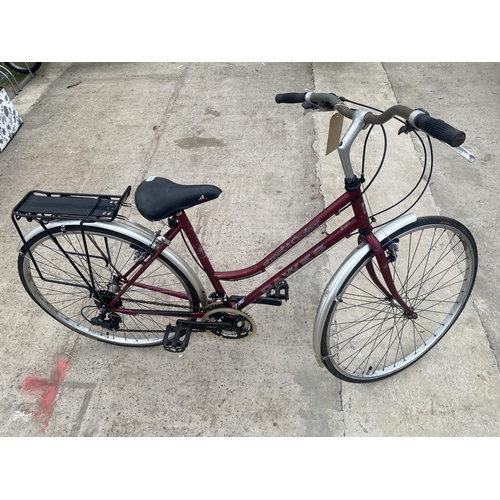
(200, 252)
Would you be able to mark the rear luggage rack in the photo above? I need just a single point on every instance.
(43, 206)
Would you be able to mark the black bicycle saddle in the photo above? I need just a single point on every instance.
(157, 198)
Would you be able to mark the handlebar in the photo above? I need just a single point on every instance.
(291, 98)
(418, 118)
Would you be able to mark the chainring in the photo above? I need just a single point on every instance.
(244, 326)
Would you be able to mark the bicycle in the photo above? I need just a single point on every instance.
(393, 298)
(26, 68)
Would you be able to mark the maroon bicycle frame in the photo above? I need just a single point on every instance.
(360, 222)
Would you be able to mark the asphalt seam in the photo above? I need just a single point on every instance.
(315, 148)
(161, 129)
(439, 210)
(486, 333)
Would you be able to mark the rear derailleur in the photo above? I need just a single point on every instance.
(112, 322)
(106, 319)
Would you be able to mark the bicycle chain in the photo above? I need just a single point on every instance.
(149, 302)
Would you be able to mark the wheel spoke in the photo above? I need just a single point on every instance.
(369, 337)
(110, 256)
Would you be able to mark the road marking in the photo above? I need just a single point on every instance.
(48, 390)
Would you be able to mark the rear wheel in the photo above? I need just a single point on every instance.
(138, 318)
(368, 336)
(24, 68)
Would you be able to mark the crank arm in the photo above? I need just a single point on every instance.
(213, 326)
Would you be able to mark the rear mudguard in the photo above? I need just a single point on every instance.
(141, 234)
(331, 290)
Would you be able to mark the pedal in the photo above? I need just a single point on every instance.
(273, 297)
(176, 338)
(280, 291)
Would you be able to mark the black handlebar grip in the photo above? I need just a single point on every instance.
(291, 98)
(440, 130)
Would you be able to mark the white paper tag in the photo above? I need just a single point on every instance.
(334, 133)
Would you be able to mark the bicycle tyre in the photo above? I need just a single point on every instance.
(24, 68)
(367, 337)
(67, 298)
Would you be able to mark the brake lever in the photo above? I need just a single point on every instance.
(308, 107)
(463, 152)
(312, 107)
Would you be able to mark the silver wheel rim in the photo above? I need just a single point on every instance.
(379, 327)
(137, 330)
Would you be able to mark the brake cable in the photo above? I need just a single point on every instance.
(382, 162)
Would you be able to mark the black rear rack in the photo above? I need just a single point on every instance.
(44, 206)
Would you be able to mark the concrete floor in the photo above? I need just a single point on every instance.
(218, 124)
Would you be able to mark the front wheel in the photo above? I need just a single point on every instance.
(368, 336)
(82, 272)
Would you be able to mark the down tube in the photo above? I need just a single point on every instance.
(326, 243)
(294, 240)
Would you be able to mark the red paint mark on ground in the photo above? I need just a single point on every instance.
(48, 390)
